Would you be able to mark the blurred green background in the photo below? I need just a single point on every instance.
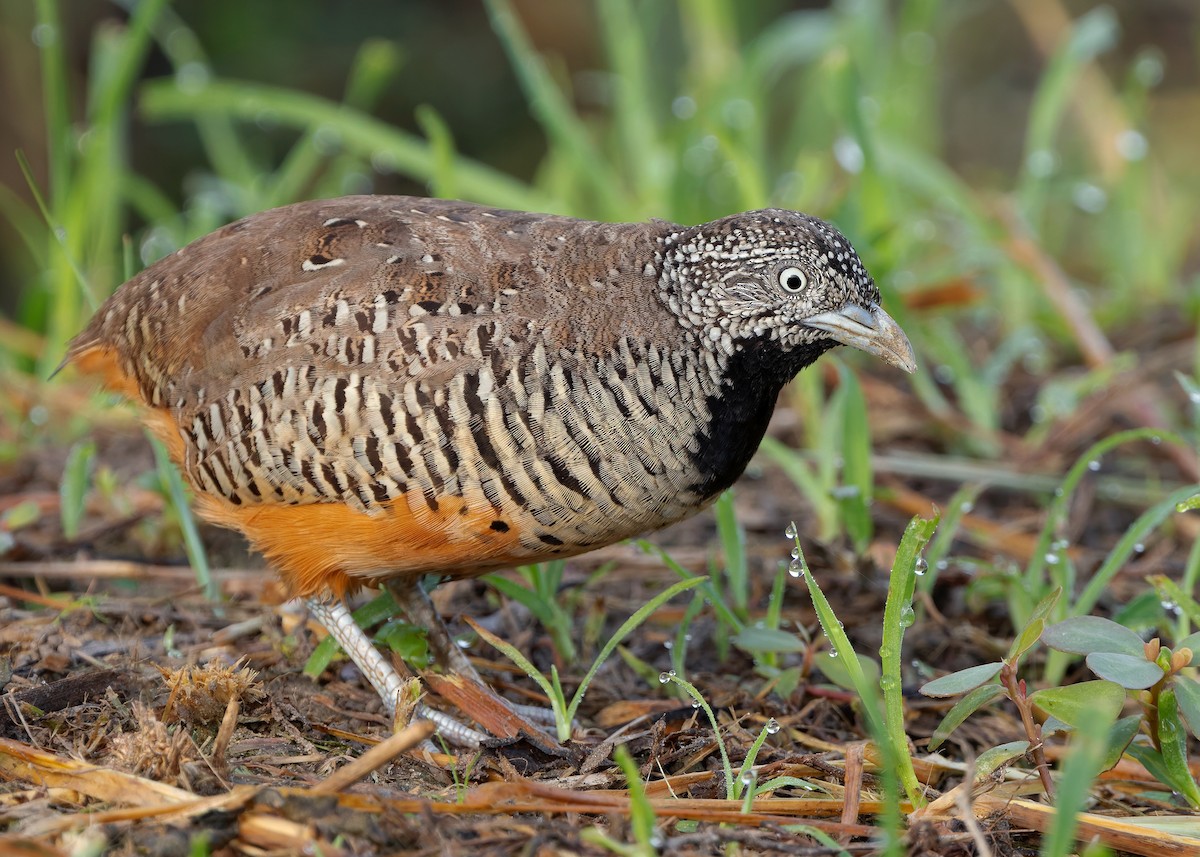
(955, 79)
(1020, 175)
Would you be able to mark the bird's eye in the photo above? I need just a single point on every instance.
(792, 279)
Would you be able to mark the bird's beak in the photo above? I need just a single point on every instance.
(871, 330)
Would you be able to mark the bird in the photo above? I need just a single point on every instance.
(375, 388)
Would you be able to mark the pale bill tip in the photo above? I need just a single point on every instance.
(871, 330)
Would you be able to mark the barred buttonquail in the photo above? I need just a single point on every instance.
(373, 388)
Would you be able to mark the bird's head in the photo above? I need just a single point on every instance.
(781, 277)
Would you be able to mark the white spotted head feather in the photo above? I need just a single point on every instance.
(776, 276)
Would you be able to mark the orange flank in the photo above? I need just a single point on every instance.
(330, 546)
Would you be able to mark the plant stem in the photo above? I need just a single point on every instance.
(1016, 692)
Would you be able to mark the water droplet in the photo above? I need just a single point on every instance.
(668, 644)
(1058, 492)
(327, 140)
(192, 77)
(1132, 145)
(1156, 440)
(1167, 604)
(748, 778)
(849, 154)
(790, 532)
(795, 568)
(921, 567)
(833, 653)
(1094, 465)
(737, 113)
(1089, 197)
(1059, 544)
(1051, 559)
(773, 726)
(44, 35)
(918, 47)
(942, 564)
(687, 638)
(656, 840)
(684, 107)
(844, 492)
(967, 507)
(1139, 548)
(1041, 163)
(39, 415)
(795, 553)
(907, 617)
(665, 677)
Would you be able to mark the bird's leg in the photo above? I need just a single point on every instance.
(336, 618)
(416, 605)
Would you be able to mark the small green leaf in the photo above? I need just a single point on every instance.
(1067, 703)
(753, 639)
(1119, 737)
(961, 681)
(21, 515)
(406, 640)
(837, 671)
(1172, 739)
(996, 757)
(1187, 693)
(963, 709)
(1025, 641)
(1083, 635)
(1191, 641)
(72, 491)
(1033, 629)
(1129, 671)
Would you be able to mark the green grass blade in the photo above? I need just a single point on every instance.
(897, 616)
(177, 493)
(359, 133)
(643, 613)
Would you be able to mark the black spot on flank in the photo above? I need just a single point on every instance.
(385, 411)
(499, 526)
(331, 477)
(319, 259)
(379, 492)
(339, 393)
(391, 296)
(254, 489)
(430, 306)
(463, 510)
(549, 539)
(364, 323)
(330, 317)
(402, 458)
(263, 291)
(414, 430)
(289, 324)
(431, 502)
(318, 421)
(565, 477)
(235, 499)
(372, 452)
(306, 471)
